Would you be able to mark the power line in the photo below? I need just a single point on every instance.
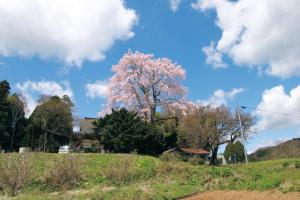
(269, 111)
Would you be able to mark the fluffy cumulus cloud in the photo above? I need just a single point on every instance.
(96, 90)
(33, 90)
(221, 97)
(174, 5)
(279, 109)
(69, 30)
(257, 33)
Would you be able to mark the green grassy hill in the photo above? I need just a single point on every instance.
(288, 149)
(118, 176)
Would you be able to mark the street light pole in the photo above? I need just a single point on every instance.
(242, 132)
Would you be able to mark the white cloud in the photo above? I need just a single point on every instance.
(213, 56)
(278, 109)
(220, 97)
(69, 30)
(174, 5)
(96, 90)
(258, 33)
(32, 90)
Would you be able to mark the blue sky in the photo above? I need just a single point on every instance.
(261, 81)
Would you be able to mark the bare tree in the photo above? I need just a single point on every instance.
(209, 127)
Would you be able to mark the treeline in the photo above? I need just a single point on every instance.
(49, 126)
(203, 127)
(122, 131)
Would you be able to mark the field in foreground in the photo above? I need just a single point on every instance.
(245, 195)
(118, 176)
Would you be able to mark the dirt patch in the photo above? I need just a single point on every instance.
(245, 195)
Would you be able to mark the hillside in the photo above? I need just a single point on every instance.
(288, 149)
(120, 176)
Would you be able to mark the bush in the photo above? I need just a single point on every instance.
(180, 169)
(122, 171)
(196, 161)
(171, 157)
(297, 165)
(15, 171)
(285, 164)
(66, 173)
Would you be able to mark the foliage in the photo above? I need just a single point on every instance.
(16, 120)
(196, 161)
(122, 171)
(142, 83)
(234, 152)
(66, 173)
(153, 179)
(209, 127)
(15, 171)
(171, 157)
(50, 125)
(288, 149)
(4, 111)
(125, 132)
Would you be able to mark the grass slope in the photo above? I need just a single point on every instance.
(288, 149)
(152, 179)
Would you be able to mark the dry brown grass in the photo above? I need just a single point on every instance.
(66, 173)
(15, 171)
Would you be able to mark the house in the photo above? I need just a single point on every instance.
(84, 140)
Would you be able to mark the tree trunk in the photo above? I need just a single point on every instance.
(213, 160)
(12, 138)
(45, 141)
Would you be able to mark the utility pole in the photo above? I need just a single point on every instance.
(242, 132)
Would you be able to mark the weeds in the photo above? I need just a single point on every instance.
(15, 171)
(66, 173)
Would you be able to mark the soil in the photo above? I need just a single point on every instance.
(245, 195)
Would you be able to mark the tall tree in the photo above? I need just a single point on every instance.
(143, 84)
(234, 152)
(4, 110)
(16, 115)
(125, 132)
(52, 119)
(209, 127)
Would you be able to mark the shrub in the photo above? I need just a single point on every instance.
(196, 161)
(66, 173)
(297, 165)
(121, 171)
(220, 172)
(15, 171)
(171, 157)
(180, 169)
(285, 164)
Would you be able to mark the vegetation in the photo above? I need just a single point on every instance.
(15, 171)
(288, 149)
(124, 132)
(234, 152)
(50, 124)
(209, 127)
(145, 177)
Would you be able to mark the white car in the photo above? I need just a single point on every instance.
(64, 149)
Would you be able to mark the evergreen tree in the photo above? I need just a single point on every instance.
(4, 111)
(234, 152)
(125, 132)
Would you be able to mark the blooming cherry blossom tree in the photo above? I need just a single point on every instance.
(144, 84)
